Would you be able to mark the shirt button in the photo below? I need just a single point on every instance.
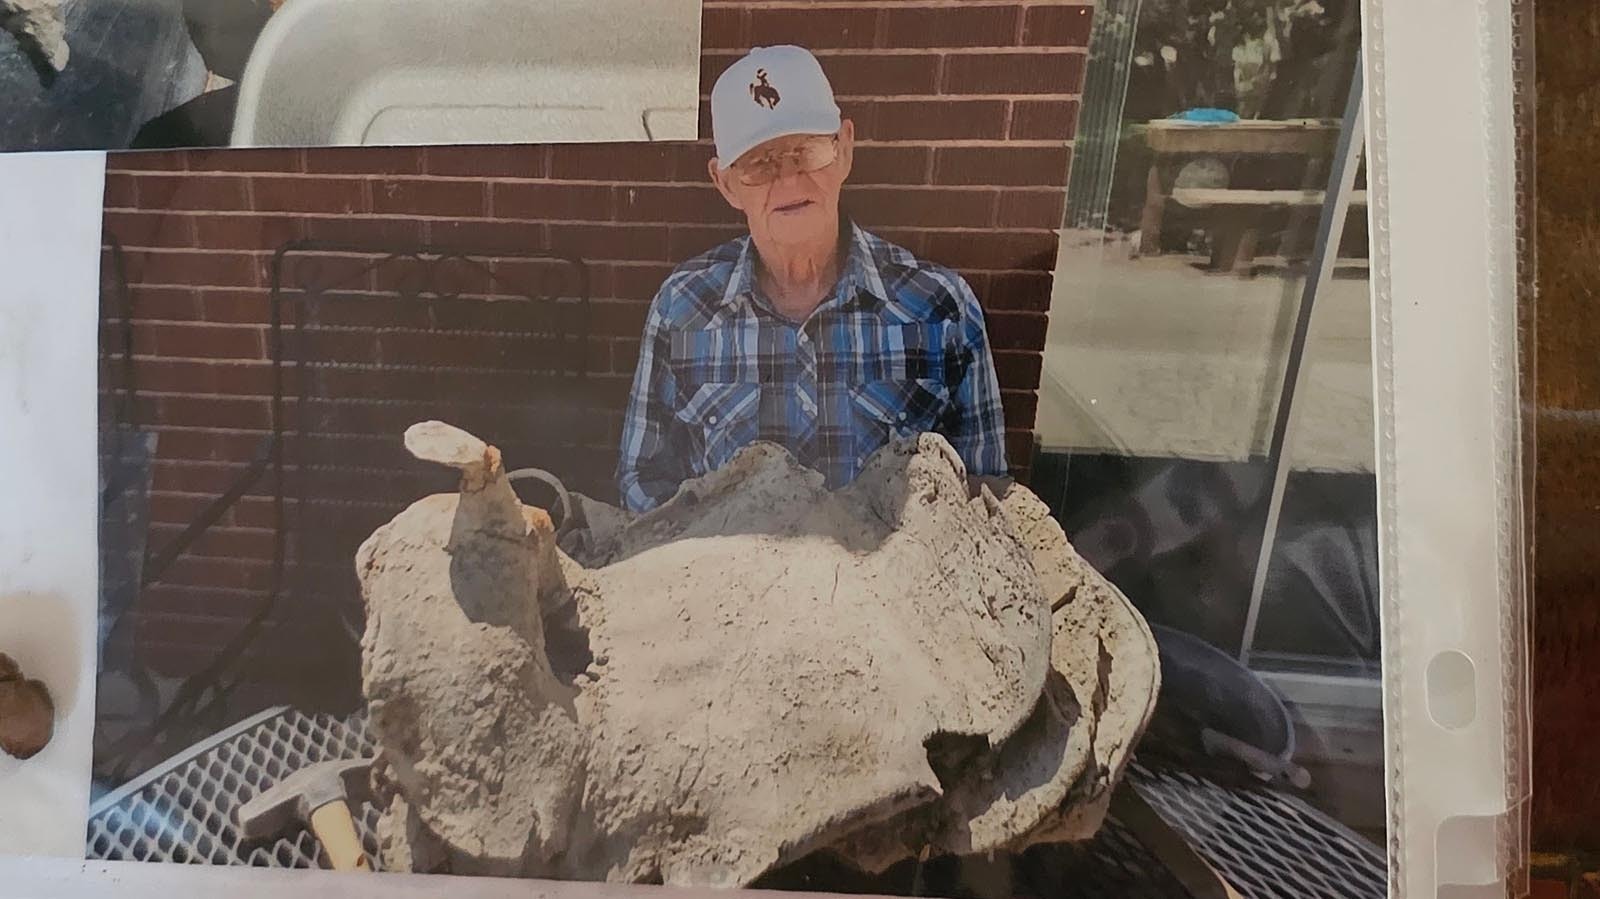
(712, 419)
(902, 416)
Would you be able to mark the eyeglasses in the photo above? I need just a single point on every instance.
(811, 155)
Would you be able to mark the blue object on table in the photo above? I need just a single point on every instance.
(1207, 115)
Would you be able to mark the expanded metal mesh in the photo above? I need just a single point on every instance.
(1266, 843)
(184, 810)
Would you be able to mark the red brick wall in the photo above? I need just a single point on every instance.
(964, 112)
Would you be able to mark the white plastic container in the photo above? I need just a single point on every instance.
(472, 71)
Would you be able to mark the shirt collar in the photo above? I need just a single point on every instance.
(860, 280)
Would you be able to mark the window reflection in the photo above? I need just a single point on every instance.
(1201, 171)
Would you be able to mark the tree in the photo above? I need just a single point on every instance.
(1259, 58)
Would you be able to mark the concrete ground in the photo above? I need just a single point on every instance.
(1153, 356)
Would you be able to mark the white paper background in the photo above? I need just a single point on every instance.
(50, 210)
(1440, 489)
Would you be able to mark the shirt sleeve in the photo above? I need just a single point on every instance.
(653, 461)
(976, 422)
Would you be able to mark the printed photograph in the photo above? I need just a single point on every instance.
(948, 474)
(150, 74)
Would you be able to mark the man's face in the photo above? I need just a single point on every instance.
(783, 202)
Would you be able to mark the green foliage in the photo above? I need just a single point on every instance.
(1230, 54)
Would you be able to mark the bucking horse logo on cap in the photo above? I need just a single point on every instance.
(763, 92)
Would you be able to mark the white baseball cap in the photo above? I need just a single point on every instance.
(770, 92)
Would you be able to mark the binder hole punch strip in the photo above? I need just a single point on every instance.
(1453, 560)
(1452, 696)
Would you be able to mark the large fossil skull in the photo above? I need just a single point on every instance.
(764, 669)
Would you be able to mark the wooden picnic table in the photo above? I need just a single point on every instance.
(1172, 141)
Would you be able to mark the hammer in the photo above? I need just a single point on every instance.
(316, 797)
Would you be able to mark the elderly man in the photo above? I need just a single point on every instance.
(809, 332)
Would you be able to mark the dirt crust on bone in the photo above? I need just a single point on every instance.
(773, 669)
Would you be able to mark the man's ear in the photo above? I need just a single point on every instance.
(847, 148)
(719, 177)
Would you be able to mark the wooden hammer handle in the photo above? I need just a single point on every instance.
(336, 830)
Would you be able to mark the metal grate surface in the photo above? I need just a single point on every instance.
(182, 811)
(1267, 844)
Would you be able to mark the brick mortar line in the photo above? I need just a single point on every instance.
(412, 331)
(268, 253)
(171, 617)
(221, 619)
(950, 99)
(971, 143)
(345, 402)
(376, 330)
(369, 196)
(889, 99)
(325, 435)
(519, 182)
(288, 367)
(380, 367)
(138, 172)
(167, 322)
(186, 494)
(956, 96)
(238, 528)
(1046, 97)
(263, 432)
(267, 397)
(212, 361)
(402, 216)
(263, 324)
(994, 143)
(266, 291)
(876, 4)
(257, 360)
(168, 286)
(258, 432)
(620, 376)
(230, 465)
(1053, 97)
(158, 615)
(826, 53)
(619, 263)
(262, 292)
(258, 364)
(929, 169)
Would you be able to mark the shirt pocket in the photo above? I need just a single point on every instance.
(888, 409)
(724, 416)
(896, 353)
(708, 357)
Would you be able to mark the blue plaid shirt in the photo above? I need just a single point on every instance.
(898, 348)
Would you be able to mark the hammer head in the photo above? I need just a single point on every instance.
(289, 803)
